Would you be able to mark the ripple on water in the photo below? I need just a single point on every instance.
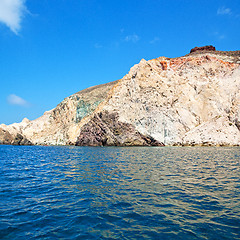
(119, 193)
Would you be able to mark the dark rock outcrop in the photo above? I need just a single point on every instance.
(105, 129)
(5, 137)
(9, 139)
(205, 48)
(20, 140)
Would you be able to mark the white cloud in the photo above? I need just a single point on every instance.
(224, 11)
(11, 13)
(219, 35)
(156, 39)
(97, 45)
(132, 38)
(16, 100)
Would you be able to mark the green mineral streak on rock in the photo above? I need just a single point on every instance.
(84, 109)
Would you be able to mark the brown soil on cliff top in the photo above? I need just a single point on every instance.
(234, 55)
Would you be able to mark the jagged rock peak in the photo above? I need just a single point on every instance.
(25, 120)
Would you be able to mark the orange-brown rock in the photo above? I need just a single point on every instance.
(164, 65)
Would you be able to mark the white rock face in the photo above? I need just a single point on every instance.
(217, 131)
(168, 98)
(191, 100)
(61, 125)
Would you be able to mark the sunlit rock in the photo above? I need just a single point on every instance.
(190, 100)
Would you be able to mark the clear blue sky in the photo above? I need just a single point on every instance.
(50, 49)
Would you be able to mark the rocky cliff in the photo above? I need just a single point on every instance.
(190, 100)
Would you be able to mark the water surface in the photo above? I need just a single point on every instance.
(119, 193)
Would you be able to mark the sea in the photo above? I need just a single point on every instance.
(66, 192)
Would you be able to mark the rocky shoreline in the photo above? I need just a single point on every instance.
(192, 100)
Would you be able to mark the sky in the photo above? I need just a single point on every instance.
(51, 49)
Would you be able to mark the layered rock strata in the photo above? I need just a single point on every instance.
(190, 100)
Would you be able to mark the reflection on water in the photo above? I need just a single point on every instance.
(119, 193)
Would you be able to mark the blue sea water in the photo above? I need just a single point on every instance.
(119, 193)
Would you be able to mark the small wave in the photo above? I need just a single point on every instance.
(119, 193)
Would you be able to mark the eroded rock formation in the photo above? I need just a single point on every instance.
(190, 100)
(105, 129)
(205, 48)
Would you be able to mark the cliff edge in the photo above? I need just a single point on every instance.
(189, 100)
